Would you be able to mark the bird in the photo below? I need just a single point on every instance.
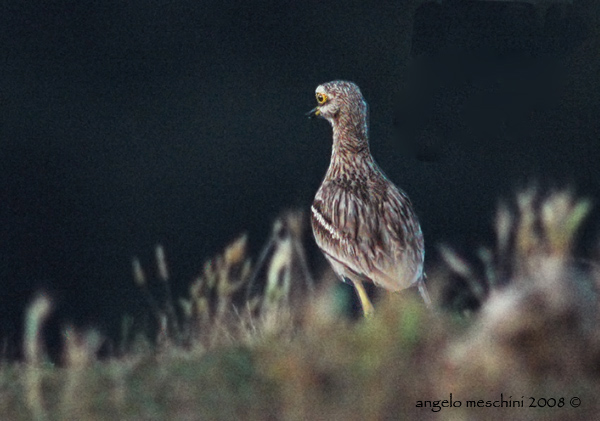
(365, 226)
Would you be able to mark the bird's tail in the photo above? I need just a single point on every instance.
(423, 291)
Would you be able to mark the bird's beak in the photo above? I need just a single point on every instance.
(315, 112)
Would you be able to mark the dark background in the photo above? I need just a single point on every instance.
(127, 124)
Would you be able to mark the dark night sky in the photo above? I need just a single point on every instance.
(127, 124)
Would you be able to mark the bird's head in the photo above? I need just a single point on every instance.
(339, 100)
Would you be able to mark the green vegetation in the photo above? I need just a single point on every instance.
(262, 341)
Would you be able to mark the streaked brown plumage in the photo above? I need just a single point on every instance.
(363, 223)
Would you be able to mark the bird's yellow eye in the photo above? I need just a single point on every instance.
(321, 98)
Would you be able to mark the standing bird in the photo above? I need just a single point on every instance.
(362, 222)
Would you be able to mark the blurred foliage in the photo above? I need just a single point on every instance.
(263, 341)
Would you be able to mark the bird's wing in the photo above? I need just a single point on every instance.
(400, 263)
(367, 235)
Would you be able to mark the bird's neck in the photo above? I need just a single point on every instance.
(350, 134)
(350, 149)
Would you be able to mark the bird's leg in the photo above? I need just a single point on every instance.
(364, 298)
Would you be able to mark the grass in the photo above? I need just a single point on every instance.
(264, 341)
